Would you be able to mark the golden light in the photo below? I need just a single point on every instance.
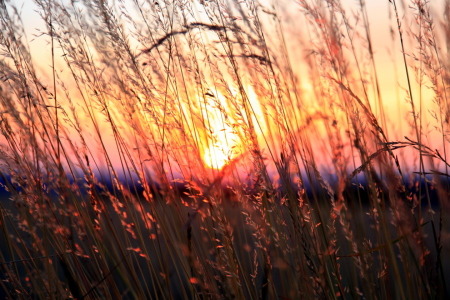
(223, 139)
(217, 157)
(221, 147)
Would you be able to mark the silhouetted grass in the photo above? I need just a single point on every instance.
(223, 149)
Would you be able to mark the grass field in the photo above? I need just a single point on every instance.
(213, 149)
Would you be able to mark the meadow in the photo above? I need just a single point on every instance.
(219, 149)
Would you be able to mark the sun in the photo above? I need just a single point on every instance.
(216, 157)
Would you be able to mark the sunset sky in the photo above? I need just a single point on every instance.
(389, 66)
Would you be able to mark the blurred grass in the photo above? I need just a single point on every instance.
(214, 149)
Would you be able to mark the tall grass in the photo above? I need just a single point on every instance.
(224, 149)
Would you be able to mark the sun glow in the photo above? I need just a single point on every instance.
(224, 138)
(217, 157)
(221, 147)
(220, 140)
